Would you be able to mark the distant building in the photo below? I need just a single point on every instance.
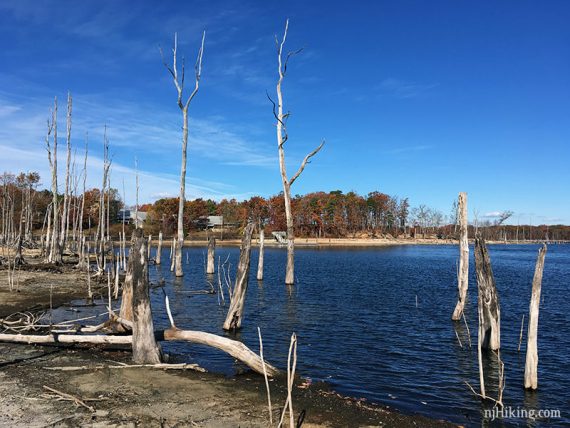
(128, 216)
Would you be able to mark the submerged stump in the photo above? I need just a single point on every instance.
(531, 365)
(488, 299)
(463, 271)
(210, 267)
(235, 312)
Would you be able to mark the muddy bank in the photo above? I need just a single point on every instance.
(142, 396)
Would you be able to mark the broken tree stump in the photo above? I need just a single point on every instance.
(210, 266)
(159, 249)
(531, 365)
(235, 312)
(145, 348)
(488, 299)
(463, 273)
(261, 250)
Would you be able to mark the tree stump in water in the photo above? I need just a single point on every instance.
(210, 267)
(159, 249)
(235, 312)
(463, 273)
(145, 348)
(488, 299)
(531, 365)
(261, 250)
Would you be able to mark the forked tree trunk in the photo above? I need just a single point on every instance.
(159, 249)
(282, 138)
(463, 274)
(531, 366)
(210, 267)
(488, 299)
(235, 312)
(145, 348)
(261, 250)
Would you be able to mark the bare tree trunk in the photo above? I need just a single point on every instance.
(179, 84)
(66, 198)
(145, 348)
(261, 250)
(210, 268)
(531, 366)
(149, 246)
(54, 254)
(159, 249)
(235, 312)
(463, 274)
(281, 140)
(488, 299)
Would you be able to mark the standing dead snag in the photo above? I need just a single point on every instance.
(210, 267)
(261, 249)
(235, 312)
(488, 299)
(531, 365)
(158, 256)
(179, 83)
(145, 348)
(463, 274)
(281, 140)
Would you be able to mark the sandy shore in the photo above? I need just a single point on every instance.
(147, 397)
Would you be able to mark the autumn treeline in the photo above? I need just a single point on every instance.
(317, 215)
(24, 208)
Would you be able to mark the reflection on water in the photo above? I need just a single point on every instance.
(358, 327)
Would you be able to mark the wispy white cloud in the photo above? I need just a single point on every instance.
(403, 89)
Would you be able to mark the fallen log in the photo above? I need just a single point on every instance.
(232, 347)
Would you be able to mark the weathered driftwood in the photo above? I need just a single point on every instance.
(210, 267)
(145, 348)
(463, 273)
(235, 312)
(66, 338)
(233, 347)
(488, 299)
(261, 250)
(531, 366)
(160, 366)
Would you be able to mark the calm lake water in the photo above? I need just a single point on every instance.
(358, 327)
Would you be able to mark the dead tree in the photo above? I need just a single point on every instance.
(54, 253)
(179, 84)
(261, 250)
(145, 348)
(159, 249)
(210, 267)
(66, 197)
(235, 312)
(463, 274)
(488, 299)
(282, 137)
(531, 366)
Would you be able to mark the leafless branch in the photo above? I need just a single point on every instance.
(305, 161)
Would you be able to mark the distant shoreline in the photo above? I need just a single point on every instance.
(346, 242)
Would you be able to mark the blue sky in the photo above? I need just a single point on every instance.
(414, 98)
